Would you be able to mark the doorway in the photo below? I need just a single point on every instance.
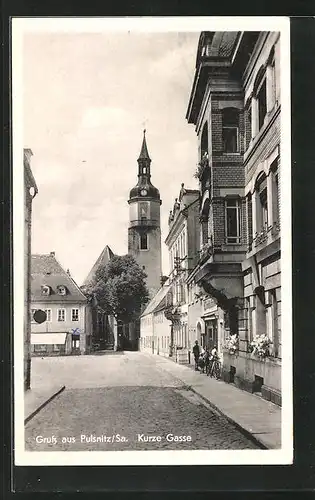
(211, 334)
(75, 344)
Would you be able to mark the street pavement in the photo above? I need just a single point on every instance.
(123, 401)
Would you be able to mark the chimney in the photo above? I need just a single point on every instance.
(52, 254)
(68, 272)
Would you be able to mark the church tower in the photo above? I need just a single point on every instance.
(144, 233)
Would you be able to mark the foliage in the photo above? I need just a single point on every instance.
(260, 346)
(202, 165)
(119, 288)
(232, 344)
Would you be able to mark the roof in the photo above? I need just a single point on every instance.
(216, 44)
(144, 154)
(159, 300)
(46, 270)
(104, 258)
(215, 50)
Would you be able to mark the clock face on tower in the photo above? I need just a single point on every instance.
(143, 192)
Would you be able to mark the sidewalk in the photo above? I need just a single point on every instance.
(254, 415)
(36, 399)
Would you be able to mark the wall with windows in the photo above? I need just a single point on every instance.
(155, 333)
(162, 333)
(144, 243)
(146, 332)
(65, 318)
(261, 312)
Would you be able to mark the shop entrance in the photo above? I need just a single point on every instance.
(75, 344)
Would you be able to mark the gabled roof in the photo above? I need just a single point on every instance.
(104, 258)
(46, 270)
(158, 302)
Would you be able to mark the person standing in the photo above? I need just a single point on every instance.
(196, 352)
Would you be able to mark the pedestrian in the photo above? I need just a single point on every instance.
(214, 352)
(196, 352)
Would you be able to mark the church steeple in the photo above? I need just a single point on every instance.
(144, 187)
(144, 232)
(144, 155)
(144, 160)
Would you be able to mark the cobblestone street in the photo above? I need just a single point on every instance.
(116, 401)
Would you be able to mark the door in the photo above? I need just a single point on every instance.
(75, 344)
(211, 334)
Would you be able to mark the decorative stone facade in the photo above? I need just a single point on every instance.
(235, 106)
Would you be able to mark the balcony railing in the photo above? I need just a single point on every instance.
(205, 252)
(263, 236)
(144, 222)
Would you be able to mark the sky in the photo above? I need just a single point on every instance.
(86, 99)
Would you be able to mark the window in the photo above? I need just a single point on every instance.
(230, 125)
(48, 314)
(61, 290)
(61, 315)
(204, 142)
(144, 170)
(275, 191)
(143, 242)
(273, 82)
(249, 221)
(143, 211)
(75, 315)
(232, 217)
(248, 316)
(263, 208)
(262, 103)
(45, 290)
(248, 124)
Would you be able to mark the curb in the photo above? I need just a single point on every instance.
(242, 429)
(44, 404)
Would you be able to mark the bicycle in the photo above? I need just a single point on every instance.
(215, 369)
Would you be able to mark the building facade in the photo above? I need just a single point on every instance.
(67, 325)
(30, 191)
(235, 106)
(183, 246)
(156, 330)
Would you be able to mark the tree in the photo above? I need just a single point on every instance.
(119, 288)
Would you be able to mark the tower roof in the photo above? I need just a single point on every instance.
(144, 187)
(144, 155)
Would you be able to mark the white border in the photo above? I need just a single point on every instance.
(141, 25)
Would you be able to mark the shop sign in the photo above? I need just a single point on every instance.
(209, 304)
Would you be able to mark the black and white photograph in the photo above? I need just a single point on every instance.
(152, 241)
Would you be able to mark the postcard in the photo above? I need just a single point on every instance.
(152, 241)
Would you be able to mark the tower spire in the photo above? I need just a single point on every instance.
(144, 155)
